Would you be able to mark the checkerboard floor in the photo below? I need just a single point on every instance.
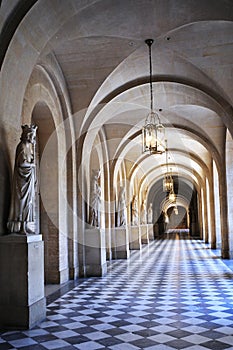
(173, 294)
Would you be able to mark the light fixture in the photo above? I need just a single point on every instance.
(168, 180)
(176, 212)
(166, 219)
(153, 132)
(172, 196)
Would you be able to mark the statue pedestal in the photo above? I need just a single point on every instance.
(22, 300)
(95, 252)
(120, 243)
(135, 238)
(144, 234)
(150, 232)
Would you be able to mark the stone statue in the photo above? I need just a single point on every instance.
(135, 211)
(143, 213)
(94, 217)
(121, 221)
(150, 214)
(24, 180)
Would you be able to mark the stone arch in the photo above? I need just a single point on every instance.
(178, 213)
(42, 105)
(49, 226)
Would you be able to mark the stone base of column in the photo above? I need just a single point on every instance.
(95, 253)
(144, 234)
(231, 254)
(22, 317)
(225, 254)
(135, 238)
(156, 230)
(73, 272)
(212, 245)
(108, 240)
(120, 245)
(150, 232)
(54, 276)
(22, 300)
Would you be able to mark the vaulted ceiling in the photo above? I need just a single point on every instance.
(100, 49)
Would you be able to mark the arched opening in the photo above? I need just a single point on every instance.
(177, 218)
(183, 214)
(48, 185)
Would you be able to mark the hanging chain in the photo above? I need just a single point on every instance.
(149, 42)
(151, 85)
(166, 156)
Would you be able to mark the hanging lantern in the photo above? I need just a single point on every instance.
(176, 210)
(153, 132)
(167, 183)
(168, 180)
(166, 219)
(172, 196)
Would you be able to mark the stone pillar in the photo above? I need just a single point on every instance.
(200, 217)
(121, 243)
(156, 230)
(223, 215)
(150, 231)
(108, 240)
(22, 300)
(95, 252)
(212, 211)
(113, 243)
(73, 258)
(135, 238)
(108, 194)
(206, 231)
(144, 234)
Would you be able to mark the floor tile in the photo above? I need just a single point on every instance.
(147, 302)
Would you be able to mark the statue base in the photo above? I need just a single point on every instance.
(120, 243)
(144, 234)
(150, 232)
(135, 238)
(95, 253)
(22, 300)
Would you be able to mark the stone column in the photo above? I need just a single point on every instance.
(223, 214)
(72, 209)
(108, 209)
(200, 218)
(206, 231)
(212, 211)
(156, 230)
(22, 300)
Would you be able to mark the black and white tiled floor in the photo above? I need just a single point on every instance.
(173, 294)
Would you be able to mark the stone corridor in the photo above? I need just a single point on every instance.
(173, 294)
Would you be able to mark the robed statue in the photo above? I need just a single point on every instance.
(121, 221)
(143, 213)
(150, 214)
(95, 196)
(134, 211)
(24, 181)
